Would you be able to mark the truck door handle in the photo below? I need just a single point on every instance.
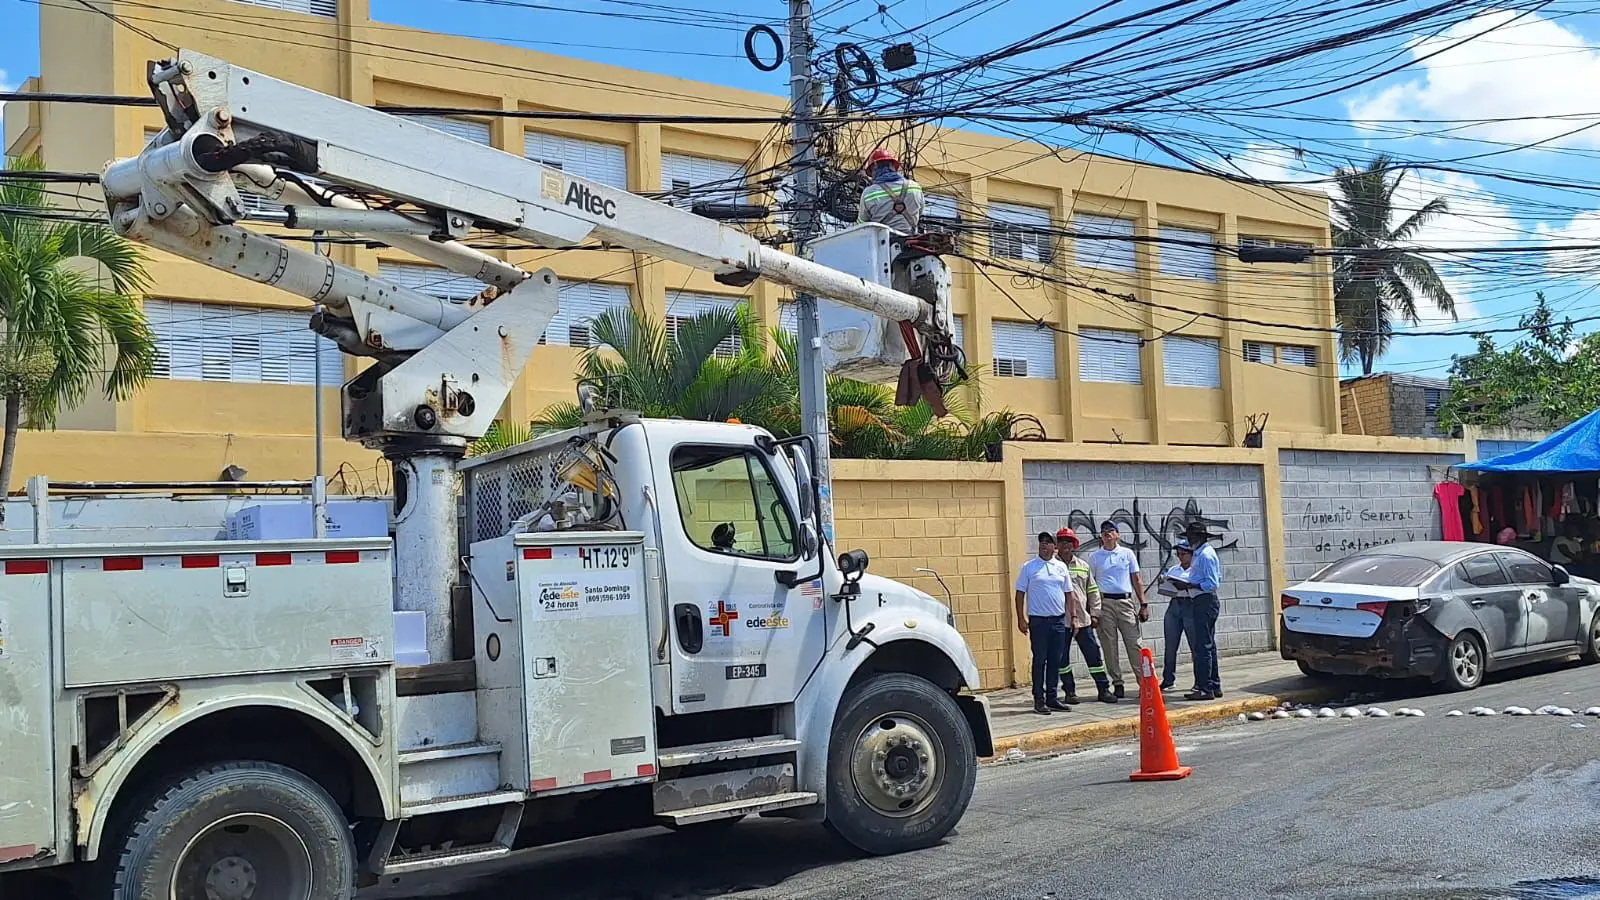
(691, 631)
(1478, 601)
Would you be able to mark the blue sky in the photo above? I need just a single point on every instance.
(1543, 65)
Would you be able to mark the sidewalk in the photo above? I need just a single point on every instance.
(1250, 682)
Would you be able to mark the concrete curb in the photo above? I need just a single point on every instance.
(1071, 737)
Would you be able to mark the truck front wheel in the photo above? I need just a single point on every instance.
(236, 831)
(901, 765)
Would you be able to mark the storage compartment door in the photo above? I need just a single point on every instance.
(27, 757)
(586, 661)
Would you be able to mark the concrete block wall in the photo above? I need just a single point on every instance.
(1152, 504)
(1408, 411)
(1337, 503)
(1364, 406)
(954, 527)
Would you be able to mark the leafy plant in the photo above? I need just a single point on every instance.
(1544, 380)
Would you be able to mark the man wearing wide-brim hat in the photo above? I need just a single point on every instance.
(1205, 574)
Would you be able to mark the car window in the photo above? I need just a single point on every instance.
(1396, 571)
(730, 504)
(1526, 569)
(1482, 571)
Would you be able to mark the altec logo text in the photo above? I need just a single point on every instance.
(580, 196)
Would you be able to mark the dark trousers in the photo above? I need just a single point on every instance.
(1202, 634)
(1048, 637)
(1173, 626)
(1090, 645)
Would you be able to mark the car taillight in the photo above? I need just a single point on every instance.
(1375, 607)
(1285, 601)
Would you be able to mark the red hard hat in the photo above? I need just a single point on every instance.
(1067, 536)
(881, 155)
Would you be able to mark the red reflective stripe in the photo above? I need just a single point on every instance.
(536, 553)
(335, 557)
(27, 567)
(273, 559)
(646, 770)
(122, 564)
(543, 784)
(21, 851)
(597, 777)
(202, 562)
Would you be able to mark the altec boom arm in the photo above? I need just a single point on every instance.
(230, 128)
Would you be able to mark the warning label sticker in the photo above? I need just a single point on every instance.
(355, 649)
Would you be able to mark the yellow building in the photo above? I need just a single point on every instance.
(237, 367)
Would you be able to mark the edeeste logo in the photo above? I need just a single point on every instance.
(559, 598)
(767, 622)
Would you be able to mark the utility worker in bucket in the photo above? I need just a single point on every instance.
(890, 198)
(1083, 615)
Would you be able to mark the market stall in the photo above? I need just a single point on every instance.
(1544, 498)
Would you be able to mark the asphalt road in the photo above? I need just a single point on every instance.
(1435, 807)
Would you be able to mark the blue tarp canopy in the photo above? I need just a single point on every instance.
(1575, 448)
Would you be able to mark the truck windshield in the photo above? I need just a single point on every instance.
(729, 503)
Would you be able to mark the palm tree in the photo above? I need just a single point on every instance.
(56, 322)
(1380, 282)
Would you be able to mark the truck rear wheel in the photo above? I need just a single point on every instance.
(236, 831)
(901, 765)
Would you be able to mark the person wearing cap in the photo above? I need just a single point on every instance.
(1084, 613)
(1116, 570)
(890, 198)
(1174, 585)
(1041, 598)
(1205, 575)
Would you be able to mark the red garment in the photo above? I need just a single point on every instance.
(1449, 497)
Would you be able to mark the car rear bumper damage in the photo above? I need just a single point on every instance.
(1407, 649)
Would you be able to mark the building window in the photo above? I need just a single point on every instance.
(1280, 354)
(942, 214)
(1108, 356)
(958, 334)
(1261, 242)
(1103, 242)
(581, 304)
(685, 305)
(1188, 253)
(1432, 398)
(431, 280)
(687, 180)
(466, 129)
(1020, 232)
(240, 344)
(1191, 362)
(1022, 350)
(594, 160)
(327, 8)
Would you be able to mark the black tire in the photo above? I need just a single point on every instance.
(1591, 642)
(1464, 663)
(930, 755)
(287, 838)
(1316, 674)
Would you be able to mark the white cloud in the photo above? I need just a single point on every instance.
(1273, 163)
(1495, 66)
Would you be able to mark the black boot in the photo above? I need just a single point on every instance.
(1107, 697)
(1071, 699)
(1040, 708)
(1118, 691)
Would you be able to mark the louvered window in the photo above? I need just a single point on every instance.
(1103, 242)
(1296, 355)
(581, 304)
(688, 180)
(1257, 352)
(941, 214)
(594, 160)
(326, 8)
(1109, 356)
(467, 129)
(241, 344)
(1020, 232)
(1191, 362)
(685, 305)
(433, 280)
(1022, 350)
(1188, 253)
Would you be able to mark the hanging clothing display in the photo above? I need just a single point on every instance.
(1449, 496)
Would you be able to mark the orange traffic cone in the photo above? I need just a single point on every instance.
(1158, 758)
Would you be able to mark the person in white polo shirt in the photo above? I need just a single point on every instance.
(1122, 604)
(1041, 599)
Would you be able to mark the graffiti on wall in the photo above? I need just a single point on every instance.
(1350, 529)
(1140, 531)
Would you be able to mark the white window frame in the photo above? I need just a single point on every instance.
(685, 305)
(1191, 362)
(1022, 350)
(1298, 355)
(682, 175)
(1021, 232)
(328, 9)
(1258, 352)
(1184, 260)
(599, 161)
(467, 129)
(435, 281)
(1108, 253)
(1109, 356)
(581, 303)
(238, 344)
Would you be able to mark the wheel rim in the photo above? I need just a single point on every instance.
(248, 856)
(1467, 661)
(1594, 634)
(896, 766)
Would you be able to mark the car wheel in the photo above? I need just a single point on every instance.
(1591, 645)
(901, 765)
(1464, 663)
(1314, 674)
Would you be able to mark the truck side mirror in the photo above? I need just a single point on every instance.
(805, 484)
(808, 540)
